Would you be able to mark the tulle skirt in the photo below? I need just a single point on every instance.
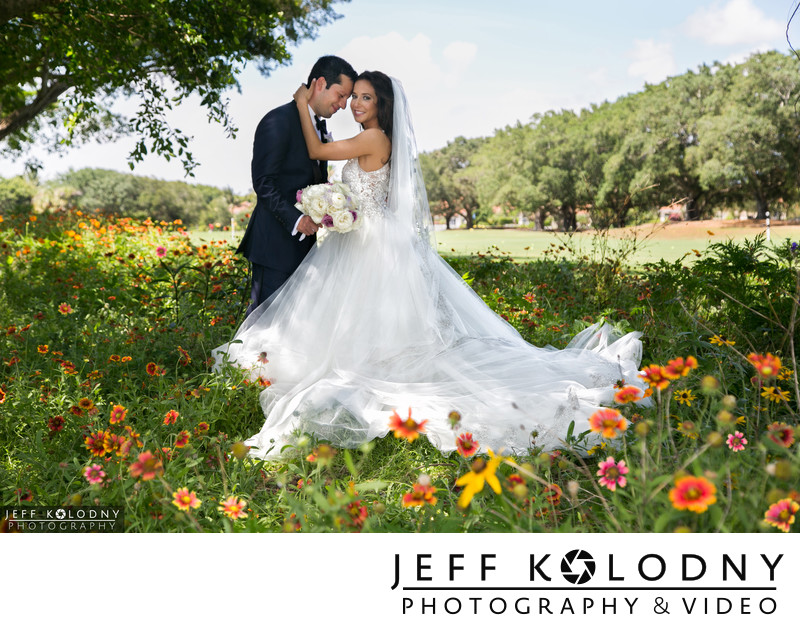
(374, 321)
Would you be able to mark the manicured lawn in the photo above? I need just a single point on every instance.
(655, 242)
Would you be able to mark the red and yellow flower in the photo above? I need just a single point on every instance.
(782, 513)
(116, 445)
(55, 423)
(95, 443)
(654, 376)
(408, 429)
(692, 493)
(64, 308)
(182, 439)
(781, 434)
(233, 508)
(185, 359)
(767, 366)
(185, 499)
(627, 394)
(466, 445)
(170, 417)
(607, 422)
(154, 370)
(420, 495)
(118, 413)
(679, 367)
(147, 466)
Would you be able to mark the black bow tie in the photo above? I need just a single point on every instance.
(322, 127)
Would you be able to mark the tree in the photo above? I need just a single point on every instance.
(61, 61)
(507, 173)
(750, 148)
(450, 184)
(16, 195)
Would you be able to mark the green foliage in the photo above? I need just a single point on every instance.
(87, 53)
(721, 137)
(16, 195)
(127, 195)
(94, 315)
(450, 182)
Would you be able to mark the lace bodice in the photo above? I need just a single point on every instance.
(370, 188)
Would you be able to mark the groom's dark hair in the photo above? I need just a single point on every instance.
(331, 68)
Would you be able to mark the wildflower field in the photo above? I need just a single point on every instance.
(107, 397)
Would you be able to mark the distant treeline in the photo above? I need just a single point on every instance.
(121, 194)
(724, 137)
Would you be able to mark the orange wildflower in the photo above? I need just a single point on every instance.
(420, 495)
(466, 445)
(767, 366)
(781, 514)
(678, 367)
(627, 394)
(118, 414)
(147, 466)
(608, 422)
(691, 493)
(408, 429)
(655, 377)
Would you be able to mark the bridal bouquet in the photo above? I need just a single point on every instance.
(330, 204)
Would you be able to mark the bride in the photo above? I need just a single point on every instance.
(375, 320)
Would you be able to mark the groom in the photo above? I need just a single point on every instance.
(279, 236)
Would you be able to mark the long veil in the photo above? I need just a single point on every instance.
(375, 320)
(408, 201)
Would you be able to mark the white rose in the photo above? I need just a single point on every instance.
(316, 209)
(338, 200)
(342, 220)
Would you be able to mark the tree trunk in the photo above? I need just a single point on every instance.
(568, 219)
(692, 212)
(538, 219)
(761, 207)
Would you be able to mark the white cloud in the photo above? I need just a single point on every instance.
(737, 22)
(652, 61)
(434, 83)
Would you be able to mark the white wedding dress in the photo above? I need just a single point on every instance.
(375, 320)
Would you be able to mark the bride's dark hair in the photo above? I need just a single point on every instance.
(385, 95)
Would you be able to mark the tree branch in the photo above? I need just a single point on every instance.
(10, 9)
(18, 119)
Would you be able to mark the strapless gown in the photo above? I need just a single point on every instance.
(375, 320)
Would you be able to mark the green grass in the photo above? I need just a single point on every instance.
(524, 245)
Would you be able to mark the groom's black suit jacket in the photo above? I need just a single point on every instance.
(280, 168)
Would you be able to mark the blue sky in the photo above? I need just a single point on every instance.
(470, 67)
